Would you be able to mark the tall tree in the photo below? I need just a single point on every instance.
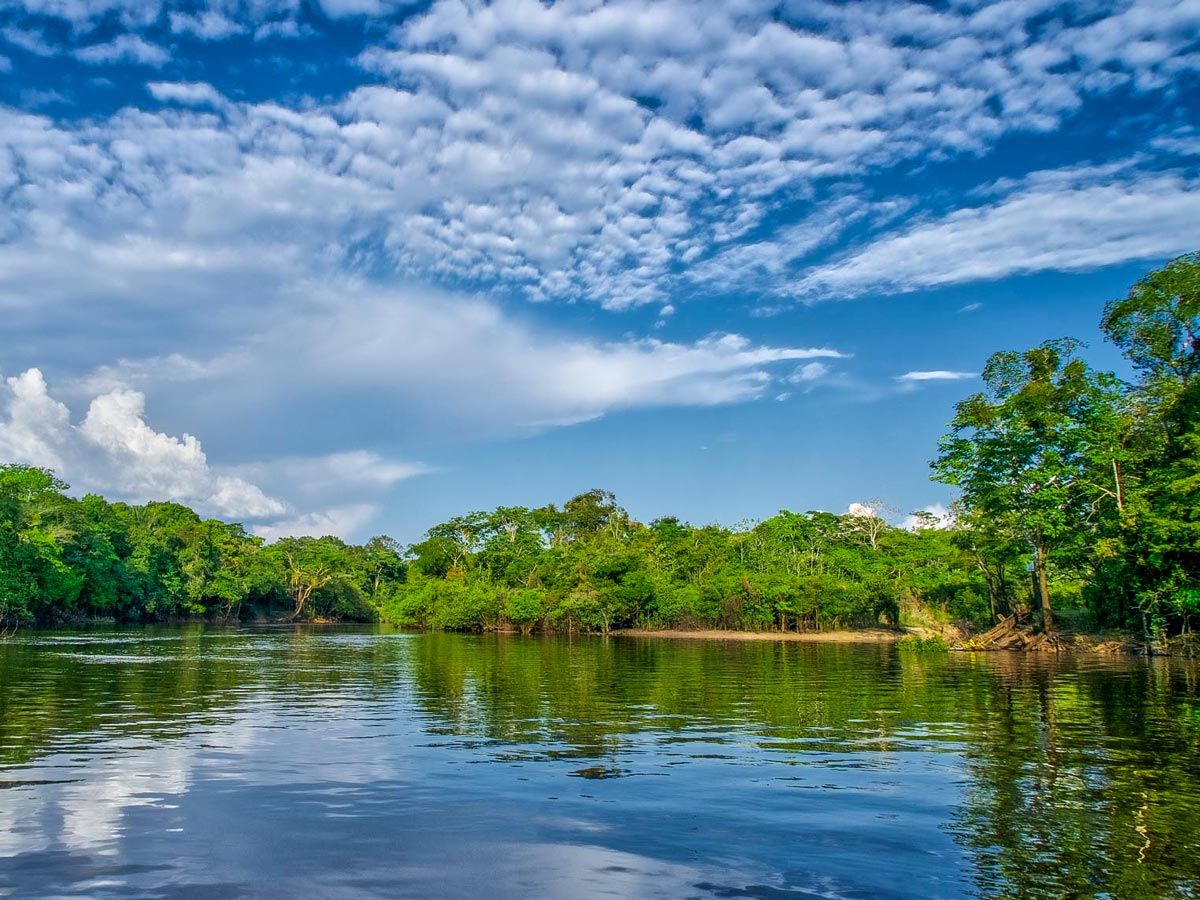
(1019, 450)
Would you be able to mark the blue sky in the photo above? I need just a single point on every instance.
(357, 266)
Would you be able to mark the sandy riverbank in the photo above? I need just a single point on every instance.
(867, 636)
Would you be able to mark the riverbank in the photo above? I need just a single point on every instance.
(1103, 644)
(865, 636)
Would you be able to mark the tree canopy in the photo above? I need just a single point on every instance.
(1090, 481)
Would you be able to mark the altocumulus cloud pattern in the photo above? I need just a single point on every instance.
(193, 196)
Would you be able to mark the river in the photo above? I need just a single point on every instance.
(353, 762)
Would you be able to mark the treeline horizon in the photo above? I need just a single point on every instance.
(586, 566)
(1079, 491)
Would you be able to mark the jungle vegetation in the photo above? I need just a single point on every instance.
(1079, 490)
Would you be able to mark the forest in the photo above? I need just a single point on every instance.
(1079, 496)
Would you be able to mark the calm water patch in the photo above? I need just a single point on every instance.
(360, 762)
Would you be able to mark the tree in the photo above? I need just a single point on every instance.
(1157, 325)
(1150, 564)
(310, 564)
(384, 561)
(1019, 450)
(865, 518)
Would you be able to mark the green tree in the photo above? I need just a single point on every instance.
(1019, 452)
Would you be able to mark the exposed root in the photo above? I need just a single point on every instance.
(1009, 634)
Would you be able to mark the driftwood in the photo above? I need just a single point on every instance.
(1009, 634)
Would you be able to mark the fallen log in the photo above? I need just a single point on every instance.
(1009, 634)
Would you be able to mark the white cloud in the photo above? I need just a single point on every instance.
(936, 516)
(83, 15)
(934, 375)
(128, 48)
(605, 152)
(338, 521)
(809, 372)
(208, 25)
(5, 63)
(29, 40)
(452, 365)
(1181, 141)
(114, 451)
(320, 479)
(1065, 220)
(188, 93)
(37, 426)
(860, 510)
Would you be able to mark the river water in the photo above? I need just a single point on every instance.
(360, 762)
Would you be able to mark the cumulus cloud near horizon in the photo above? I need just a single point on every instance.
(935, 515)
(114, 452)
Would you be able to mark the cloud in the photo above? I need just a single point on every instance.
(35, 99)
(580, 151)
(188, 93)
(934, 375)
(113, 450)
(809, 373)
(317, 480)
(5, 63)
(936, 515)
(448, 365)
(208, 25)
(1065, 220)
(1182, 142)
(338, 521)
(28, 39)
(127, 48)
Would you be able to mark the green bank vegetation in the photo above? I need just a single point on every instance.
(1080, 492)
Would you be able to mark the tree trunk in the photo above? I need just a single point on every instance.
(301, 599)
(1039, 568)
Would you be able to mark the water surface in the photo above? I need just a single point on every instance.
(359, 762)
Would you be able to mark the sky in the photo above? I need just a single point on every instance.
(357, 266)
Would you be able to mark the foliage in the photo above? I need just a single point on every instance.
(1092, 482)
(915, 643)
(1095, 479)
(584, 567)
(587, 566)
(62, 558)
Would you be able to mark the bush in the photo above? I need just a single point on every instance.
(915, 643)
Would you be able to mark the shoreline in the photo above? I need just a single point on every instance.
(865, 636)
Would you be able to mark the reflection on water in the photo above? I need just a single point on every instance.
(207, 763)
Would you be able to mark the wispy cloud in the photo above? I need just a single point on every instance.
(934, 375)
(1067, 220)
(126, 48)
(340, 521)
(456, 365)
(188, 93)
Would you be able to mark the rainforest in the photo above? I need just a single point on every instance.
(1079, 503)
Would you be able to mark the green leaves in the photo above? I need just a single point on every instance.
(1157, 325)
(1095, 476)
